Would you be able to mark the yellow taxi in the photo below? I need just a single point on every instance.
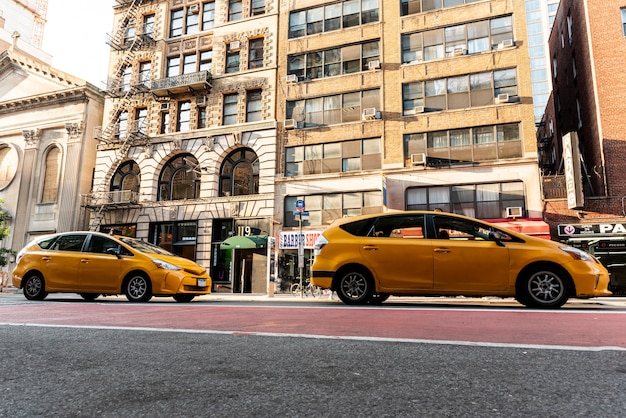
(365, 259)
(93, 264)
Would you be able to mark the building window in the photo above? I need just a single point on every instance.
(232, 59)
(176, 237)
(177, 18)
(8, 165)
(173, 66)
(206, 61)
(179, 178)
(208, 15)
(459, 92)
(122, 124)
(255, 53)
(148, 26)
(325, 208)
(408, 7)
(623, 12)
(333, 110)
(141, 118)
(52, 169)
(192, 21)
(345, 14)
(463, 146)
(331, 62)
(129, 33)
(257, 7)
(144, 73)
(126, 177)
(254, 105)
(239, 174)
(202, 117)
(471, 38)
(482, 201)
(165, 123)
(229, 113)
(183, 116)
(126, 75)
(189, 63)
(235, 10)
(333, 157)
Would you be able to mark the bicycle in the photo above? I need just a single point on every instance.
(309, 289)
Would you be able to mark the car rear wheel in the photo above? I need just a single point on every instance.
(183, 298)
(354, 288)
(137, 288)
(89, 296)
(545, 288)
(35, 287)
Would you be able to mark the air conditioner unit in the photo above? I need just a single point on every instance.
(507, 43)
(459, 51)
(369, 113)
(291, 78)
(194, 8)
(514, 212)
(418, 159)
(234, 46)
(201, 101)
(373, 65)
(414, 111)
(165, 107)
(502, 98)
(290, 124)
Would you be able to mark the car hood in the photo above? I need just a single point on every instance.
(181, 262)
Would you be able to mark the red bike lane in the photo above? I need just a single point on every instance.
(559, 328)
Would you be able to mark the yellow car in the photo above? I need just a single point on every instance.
(93, 264)
(367, 258)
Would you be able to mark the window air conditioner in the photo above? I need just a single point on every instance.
(414, 111)
(165, 107)
(418, 159)
(369, 113)
(373, 65)
(507, 43)
(502, 98)
(234, 46)
(194, 8)
(514, 212)
(291, 78)
(290, 124)
(459, 51)
(201, 101)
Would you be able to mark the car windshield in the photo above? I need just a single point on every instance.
(143, 246)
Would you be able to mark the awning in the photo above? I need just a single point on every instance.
(244, 243)
(535, 228)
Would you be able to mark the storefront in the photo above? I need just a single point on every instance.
(288, 266)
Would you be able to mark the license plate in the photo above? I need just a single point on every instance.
(201, 282)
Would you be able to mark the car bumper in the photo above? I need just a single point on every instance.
(594, 284)
(323, 279)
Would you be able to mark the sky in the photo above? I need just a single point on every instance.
(75, 36)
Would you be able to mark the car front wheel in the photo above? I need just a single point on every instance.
(137, 288)
(35, 287)
(544, 289)
(354, 288)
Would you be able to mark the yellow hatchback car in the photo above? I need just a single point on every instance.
(93, 264)
(365, 259)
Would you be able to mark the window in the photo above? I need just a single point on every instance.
(129, 32)
(8, 165)
(189, 63)
(202, 114)
(255, 53)
(126, 74)
(144, 73)
(193, 21)
(173, 66)
(254, 106)
(126, 177)
(408, 7)
(183, 117)
(463, 146)
(331, 62)
(483, 201)
(335, 157)
(345, 14)
(239, 174)
(235, 8)
(179, 179)
(165, 123)
(208, 15)
(331, 110)
(206, 61)
(188, 20)
(257, 7)
(229, 113)
(141, 115)
(122, 124)
(176, 23)
(623, 13)
(325, 208)
(72, 242)
(148, 26)
(52, 168)
(232, 59)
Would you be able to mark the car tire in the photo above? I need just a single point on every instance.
(35, 287)
(378, 298)
(183, 298)
(89, 296)
(544, 288)
(138, 288)
(354, 287)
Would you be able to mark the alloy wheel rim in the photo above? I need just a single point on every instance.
(545, 287)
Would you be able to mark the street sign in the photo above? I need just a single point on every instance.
(299, 205)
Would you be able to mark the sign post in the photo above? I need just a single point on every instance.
(299, 211)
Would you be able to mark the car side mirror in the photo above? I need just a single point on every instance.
(114, 251)
(494, 236)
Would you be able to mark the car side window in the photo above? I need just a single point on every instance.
(100, 245)
(72, 242)
(461, 229)
(411, 226)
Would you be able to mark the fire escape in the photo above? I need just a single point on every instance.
(120, 135)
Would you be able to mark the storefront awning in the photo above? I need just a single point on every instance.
(242, 243)
(536, 228)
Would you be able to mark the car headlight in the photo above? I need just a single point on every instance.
(165, 265)
(578, 254)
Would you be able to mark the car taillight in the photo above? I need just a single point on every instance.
(319, 244)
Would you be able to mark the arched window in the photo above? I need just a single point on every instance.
(240, 173)
(180, 178)
(51, 175)
(126, 177)
(8, 165)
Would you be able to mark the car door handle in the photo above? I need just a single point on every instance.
(442, 250)
(370, 248)
(46, 258)
(84, 260)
